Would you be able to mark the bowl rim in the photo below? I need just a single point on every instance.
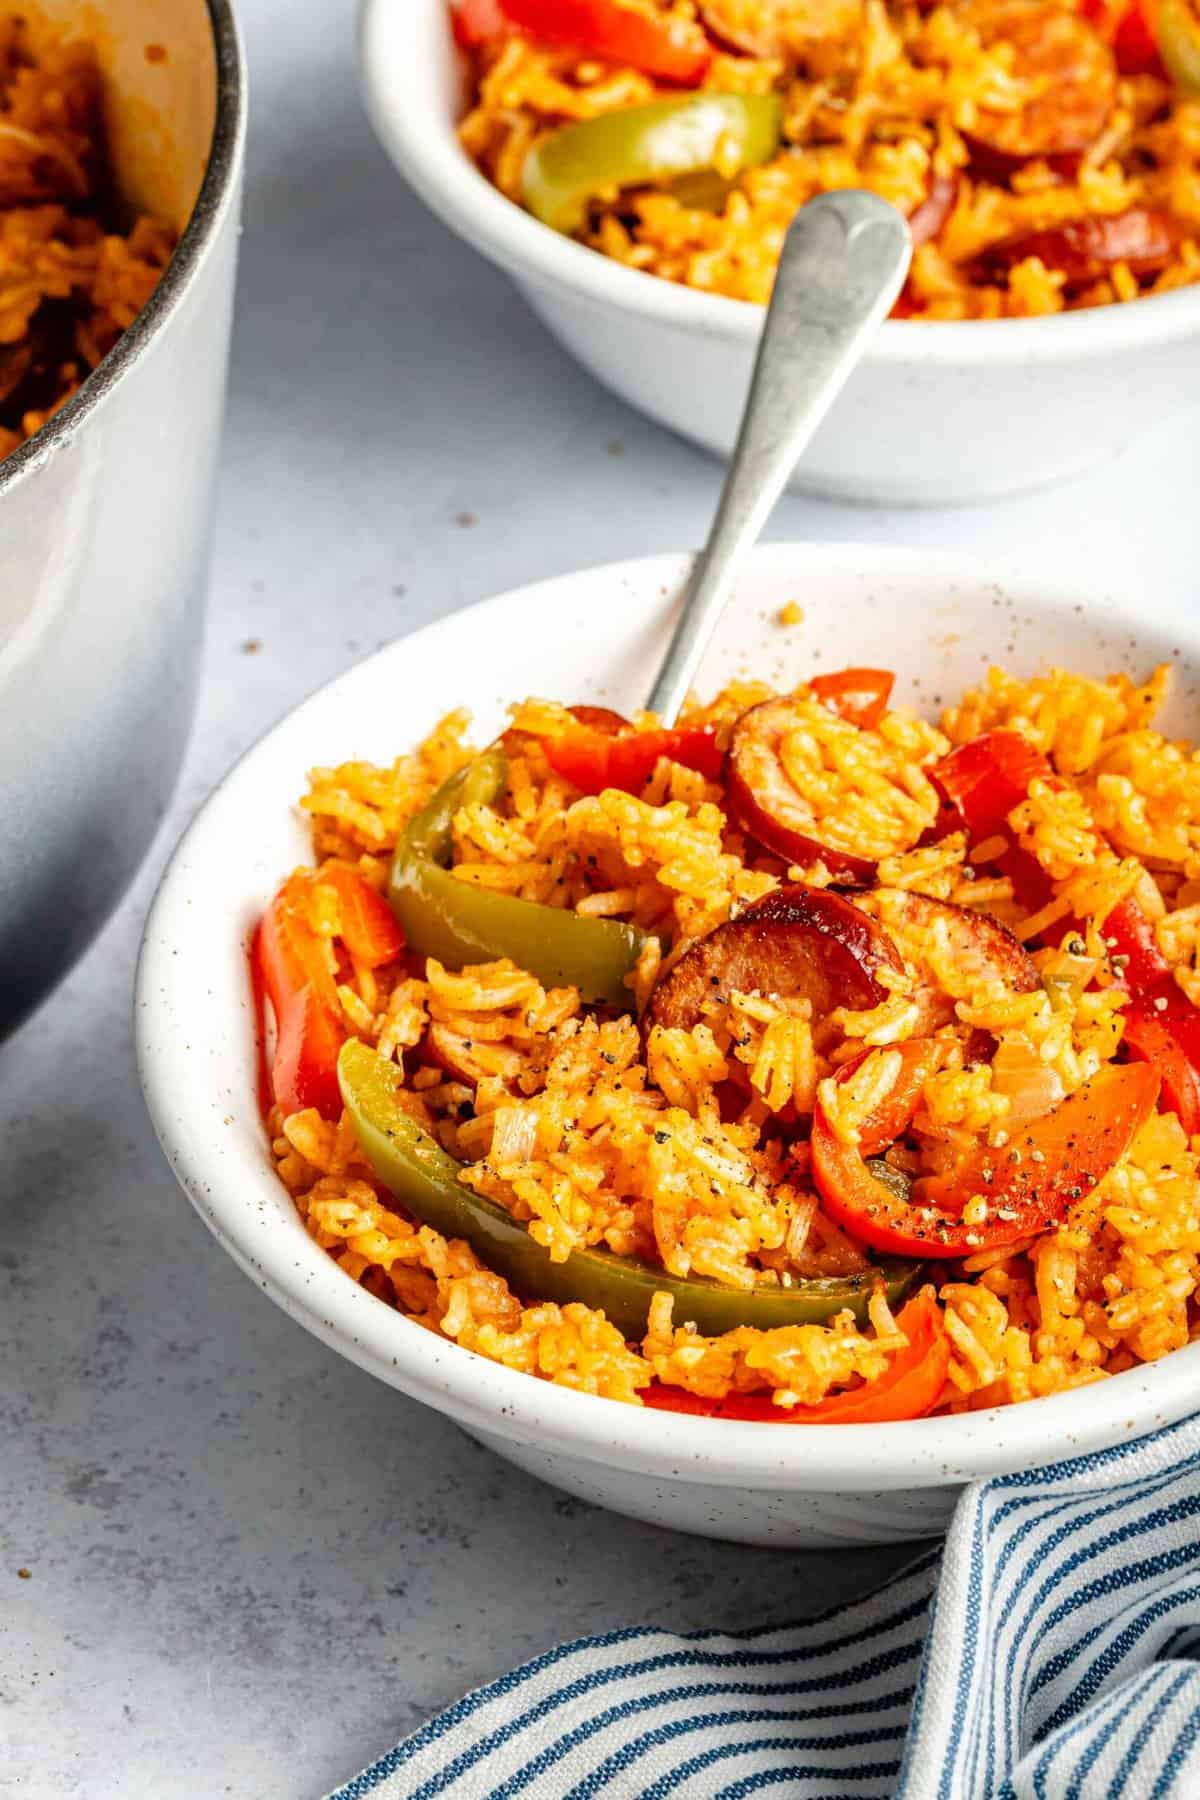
(421, 141)
(487, 1397)
(216, 195)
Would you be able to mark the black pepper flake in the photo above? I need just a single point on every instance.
(662, 1137)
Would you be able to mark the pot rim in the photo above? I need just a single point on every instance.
(202, 229)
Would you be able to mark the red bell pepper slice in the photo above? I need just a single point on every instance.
(909, 1387)
(1131, 938)
(593, 758)
(369, 927)
(1030, 1182)
(983, 780)
(1131, 29)
(308, 1028)
(476, 22)
(1135, 41)
(264, 1092)
(860, 696)
(1162, 1029)
(673, 48)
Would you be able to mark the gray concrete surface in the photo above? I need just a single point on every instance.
(251, 1568)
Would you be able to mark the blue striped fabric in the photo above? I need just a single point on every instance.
(1047, 1653)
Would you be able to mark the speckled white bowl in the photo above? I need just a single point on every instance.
(599, 633)
(935, 412)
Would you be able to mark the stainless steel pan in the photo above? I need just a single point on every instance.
(105, 514)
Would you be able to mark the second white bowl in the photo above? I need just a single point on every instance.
(935, 413)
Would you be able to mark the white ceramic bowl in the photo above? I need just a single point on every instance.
(935, 413)
(196, 1042)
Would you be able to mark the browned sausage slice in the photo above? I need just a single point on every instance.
(926, 220)
(777, 27)
(600, 718)
(1071, 78)
(983, 950)
(783, 817)
(765, 803)
(796, 942)
(1083, 249)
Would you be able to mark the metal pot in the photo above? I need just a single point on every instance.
(105, 515)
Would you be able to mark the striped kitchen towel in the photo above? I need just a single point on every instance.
(1046, 1653)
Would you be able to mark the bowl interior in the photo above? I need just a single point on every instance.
(598, 635)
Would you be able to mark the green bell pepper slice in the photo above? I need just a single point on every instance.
(639, 146)
(895, 1181)
(1177, 28)
(460, 924)
(426, 1181)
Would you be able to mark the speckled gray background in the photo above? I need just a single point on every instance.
(251, 1567)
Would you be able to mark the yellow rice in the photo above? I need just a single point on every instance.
(592, 1134)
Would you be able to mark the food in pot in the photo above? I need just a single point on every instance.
(74, 273)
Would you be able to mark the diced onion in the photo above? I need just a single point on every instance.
(514, 1135)
(1033, 1087)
